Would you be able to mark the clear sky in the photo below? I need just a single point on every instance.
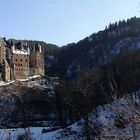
(61, 21)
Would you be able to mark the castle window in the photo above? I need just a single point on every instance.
(26, 60)
(15, 59)
(21, 65)
(20, 60)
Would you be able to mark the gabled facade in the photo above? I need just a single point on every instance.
(18, 61)
(36, 61)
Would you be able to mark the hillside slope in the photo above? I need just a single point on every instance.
(98, 48)
(115, 121)
(27, 102)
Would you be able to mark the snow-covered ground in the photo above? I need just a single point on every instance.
(36, 133)
(29, 78)
(2, 83)
(117, 120)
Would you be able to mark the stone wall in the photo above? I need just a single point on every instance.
(6, 71)
(2, 54)
(37, 63)
(20, 64)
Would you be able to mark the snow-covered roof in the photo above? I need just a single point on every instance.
(21, 52)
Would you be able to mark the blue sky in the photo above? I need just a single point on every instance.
(61, 21)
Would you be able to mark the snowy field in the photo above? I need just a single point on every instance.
(36, 133)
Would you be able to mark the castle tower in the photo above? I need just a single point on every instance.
(2, 50)
(37, 60)
(6, 71)
(20, 62)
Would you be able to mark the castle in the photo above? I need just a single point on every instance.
(19, 60)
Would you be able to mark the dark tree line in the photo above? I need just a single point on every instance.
(78, 52)
(93, 87)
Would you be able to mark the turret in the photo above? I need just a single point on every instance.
(34, 49)
(40, 50)
(28, 49)
(13, 48)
